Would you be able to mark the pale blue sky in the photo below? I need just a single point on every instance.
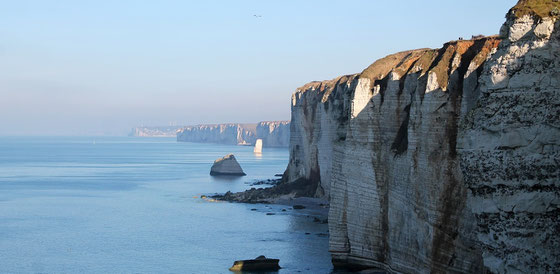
(102, 67)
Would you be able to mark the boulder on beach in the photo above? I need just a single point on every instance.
(227, 165)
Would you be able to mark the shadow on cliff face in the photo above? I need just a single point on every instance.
(407, 132)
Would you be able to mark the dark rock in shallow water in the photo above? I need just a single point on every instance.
(298, 207)
(271, 182)
(270, 213)
(267, 195)
(261, 263)
(227, 165)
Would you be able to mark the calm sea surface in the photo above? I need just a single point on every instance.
(130, 205)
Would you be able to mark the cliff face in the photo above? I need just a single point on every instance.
(381, 144)
(510, 149)
(319, 122)
(274, 134)
(440, 160)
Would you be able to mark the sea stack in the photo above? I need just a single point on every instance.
(227, 165)
(258, 146)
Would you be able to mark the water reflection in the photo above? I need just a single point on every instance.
(149, 216)
(226, 178)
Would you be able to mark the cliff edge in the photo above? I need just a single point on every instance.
(441, 160)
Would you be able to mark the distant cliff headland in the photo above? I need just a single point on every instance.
(273, 133)
(439, 160)
(167, 131)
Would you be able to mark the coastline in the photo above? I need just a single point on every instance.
(277, 192)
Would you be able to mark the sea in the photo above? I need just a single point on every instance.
(133, 205)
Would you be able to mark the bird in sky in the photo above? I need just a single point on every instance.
(257, 16)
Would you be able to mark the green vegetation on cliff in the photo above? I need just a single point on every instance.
(538, 8)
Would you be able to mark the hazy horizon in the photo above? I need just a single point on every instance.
(102, 68)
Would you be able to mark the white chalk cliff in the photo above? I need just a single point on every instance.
(274, 134)
(166, 131)
(231, 134)
(509, 146)
(443, 160)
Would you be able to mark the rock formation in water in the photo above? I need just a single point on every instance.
(443, 160)
(227, 165)
(258, 146)
(168, 131)
(274, 134)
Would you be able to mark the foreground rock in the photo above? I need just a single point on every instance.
(261, 263)
(227, 165)
(442, 160)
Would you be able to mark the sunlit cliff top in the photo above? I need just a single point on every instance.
(538, 8)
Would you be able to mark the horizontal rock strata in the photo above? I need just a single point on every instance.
(510, 150)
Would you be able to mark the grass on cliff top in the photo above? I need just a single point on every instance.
(326, 84)
(383, 66)
(538, 8)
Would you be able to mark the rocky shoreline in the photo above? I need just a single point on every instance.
(280, 191)
(294, 195)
